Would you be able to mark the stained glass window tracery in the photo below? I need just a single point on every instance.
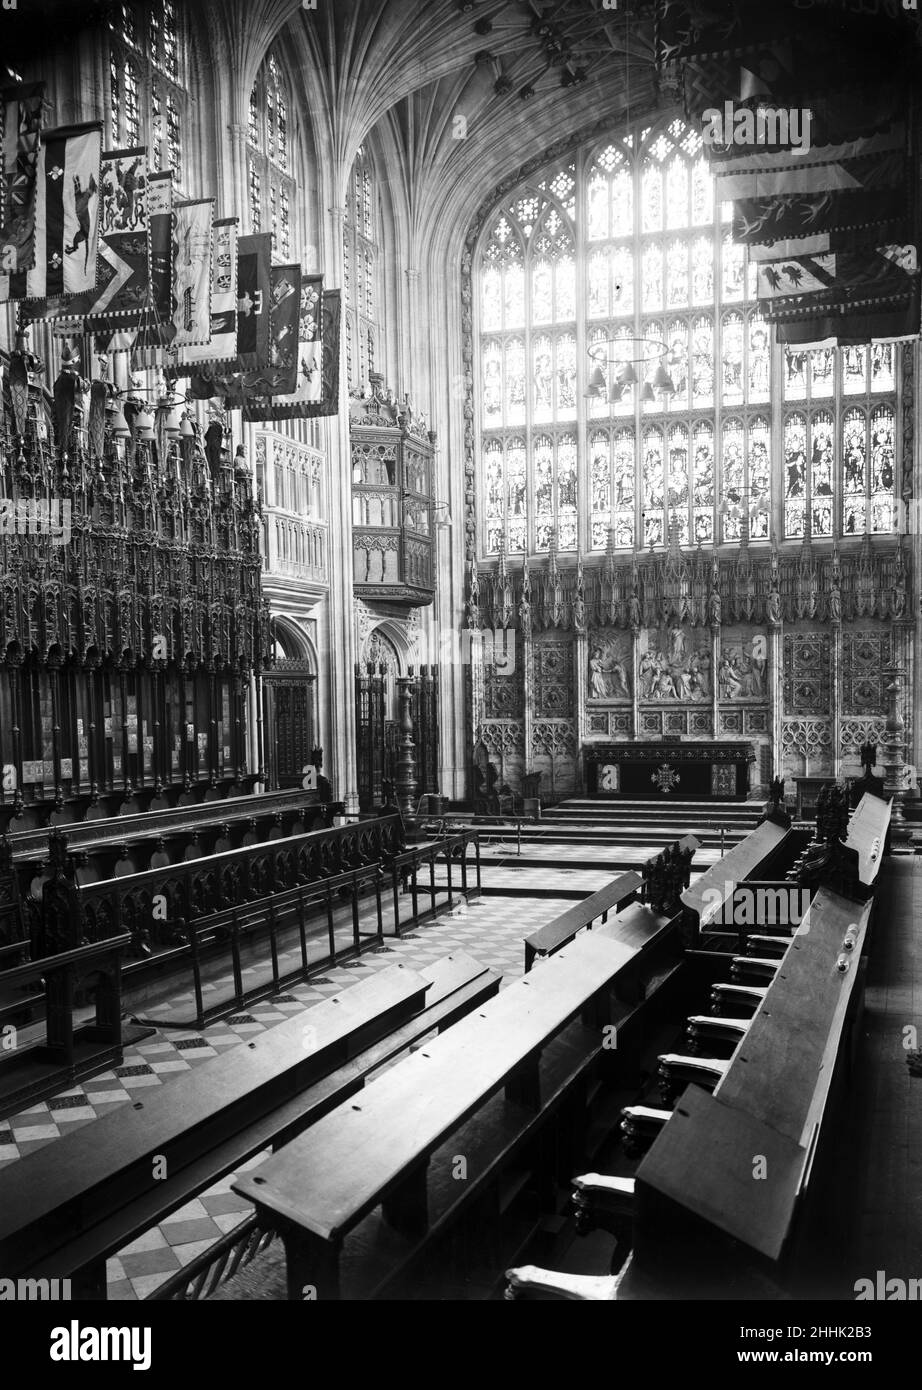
(580, 271)
(268, 155)
(146, 81)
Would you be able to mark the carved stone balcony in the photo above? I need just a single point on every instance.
(393, 532)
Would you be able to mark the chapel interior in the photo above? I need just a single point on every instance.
(459, 612)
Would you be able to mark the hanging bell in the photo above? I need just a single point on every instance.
(118, 425)
(172, 425)
(596, 385)
(662, 381)
(647, 395)
(626, 374)
(144, 423)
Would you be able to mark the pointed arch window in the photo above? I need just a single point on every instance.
(272, 187)
(360, 282)
(620, 261)
(148, 93)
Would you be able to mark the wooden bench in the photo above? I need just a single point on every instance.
(81, 1199)
(707, 1224)
(68, 1053)
(705, 900)
(702, 1227)
(377, 1153)
(612, 898)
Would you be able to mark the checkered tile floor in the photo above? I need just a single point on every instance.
(490, 929)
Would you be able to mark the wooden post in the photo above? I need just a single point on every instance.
(406, 780)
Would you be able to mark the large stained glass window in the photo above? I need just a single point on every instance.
(627, 386)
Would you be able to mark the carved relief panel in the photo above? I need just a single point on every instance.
(674, 664)
(609, 676)
(742, 671)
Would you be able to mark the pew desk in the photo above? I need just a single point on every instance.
(535, 1282)
(79, 1200)
(181, 820)
(868, 829)
(612, 898)
(775, 1099)
(376, 1153)
(706, 898)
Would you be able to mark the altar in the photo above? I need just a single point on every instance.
(685, 771)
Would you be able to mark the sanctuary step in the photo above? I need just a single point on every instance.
(633, 822)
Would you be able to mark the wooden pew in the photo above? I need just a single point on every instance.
(378, 1154)
(80, 1200)
(614, 897)
(776, 1099)
(705, 900)
(171, 830)
(702, 1227)
(68, 1053)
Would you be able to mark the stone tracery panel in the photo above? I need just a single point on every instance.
(807, 673)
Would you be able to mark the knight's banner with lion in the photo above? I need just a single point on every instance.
(67, 217)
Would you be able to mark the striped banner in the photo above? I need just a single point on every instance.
(67, 213)
(21, 112)
(192, 256)
(780, 174)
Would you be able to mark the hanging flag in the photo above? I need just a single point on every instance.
(822, 243)
(328, 401)
(789, 174)
(280, 376)
(149, 326)
(192, 252)
(66, 216)
(222, 347)
(254, 256)
(308, 382)
(810, 214)
(123, 268)
(849, 284)
(21, 111)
